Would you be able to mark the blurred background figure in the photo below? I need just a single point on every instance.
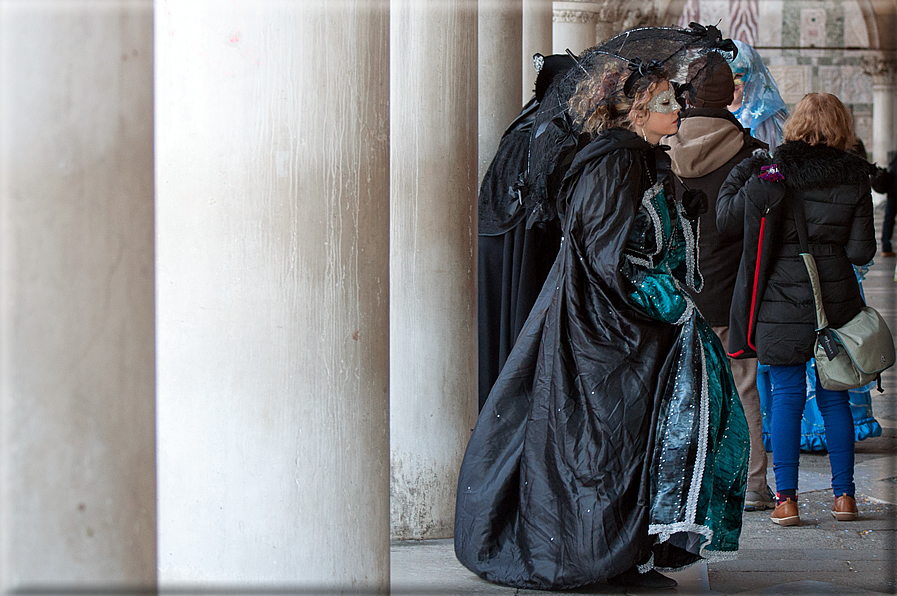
(887, 184)
(758, 105)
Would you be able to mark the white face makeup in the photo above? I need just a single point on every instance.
(664, 102)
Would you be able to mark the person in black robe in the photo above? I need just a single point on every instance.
(613, 441)
(515, 252)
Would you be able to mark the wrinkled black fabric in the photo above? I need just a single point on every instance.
(555, 488)
(511, 269)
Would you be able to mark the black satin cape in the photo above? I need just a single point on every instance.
(554, 490)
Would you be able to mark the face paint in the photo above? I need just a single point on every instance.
(664, 103)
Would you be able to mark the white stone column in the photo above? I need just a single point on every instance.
(573, 26)
(581, 24)
(500, 44)
(272, 256)
(537, 25)
(884, 110)
(433, 348)
(77, 450)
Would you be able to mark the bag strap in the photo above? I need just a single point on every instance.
(800, 222)
(823, 333)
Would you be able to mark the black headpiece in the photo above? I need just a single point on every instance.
(633, 57)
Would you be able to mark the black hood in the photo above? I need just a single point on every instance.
(614, 139)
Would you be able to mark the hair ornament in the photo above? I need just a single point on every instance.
(771, 173)
(714, 37)
(640, 69)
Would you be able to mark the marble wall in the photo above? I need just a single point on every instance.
(810, 45)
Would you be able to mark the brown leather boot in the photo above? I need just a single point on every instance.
(786, 513)
(845, 508)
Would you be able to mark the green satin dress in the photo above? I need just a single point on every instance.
(701, 446)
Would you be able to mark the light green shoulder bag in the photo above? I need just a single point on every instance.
(856, 353)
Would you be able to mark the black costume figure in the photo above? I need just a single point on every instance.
(613, 436)
(514, 253)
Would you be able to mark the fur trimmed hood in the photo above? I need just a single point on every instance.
(819, 166)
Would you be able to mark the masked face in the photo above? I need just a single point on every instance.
(738, 96)
(663, 115)
(664, 102)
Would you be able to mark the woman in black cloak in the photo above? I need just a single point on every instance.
(613, 441)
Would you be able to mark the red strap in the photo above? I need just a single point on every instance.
(750, 332)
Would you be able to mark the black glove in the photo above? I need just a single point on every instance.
(694, 203)
(881, 180)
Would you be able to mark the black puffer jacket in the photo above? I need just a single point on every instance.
(773, 311)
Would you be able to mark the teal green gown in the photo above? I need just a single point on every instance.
(696, 509)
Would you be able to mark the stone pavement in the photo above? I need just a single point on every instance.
(818, 557)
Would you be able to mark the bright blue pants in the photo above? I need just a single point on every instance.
(789, 396)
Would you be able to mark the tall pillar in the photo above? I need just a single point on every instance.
(272, 257)
(884, 109)
(77, 450)
(581, 24)
(433, 348)
(573, 26)
(537, 24)
(500, 44)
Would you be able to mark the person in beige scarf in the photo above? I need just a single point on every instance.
(710, 142)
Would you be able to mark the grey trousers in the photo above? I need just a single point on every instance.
(744, 371)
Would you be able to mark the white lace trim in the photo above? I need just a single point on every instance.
(703, 432)
(646, 567)
(689, 303)
(692, 239)
(655, 217)
(638, 261)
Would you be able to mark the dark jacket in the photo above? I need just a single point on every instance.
(711, 142)
(773, 311)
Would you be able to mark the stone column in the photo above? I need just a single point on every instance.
(581, 24)
(433, 348)
(883, 71)
(500, 45)
(77, 449)
(537, 25)
(573, 26)
(272, 225)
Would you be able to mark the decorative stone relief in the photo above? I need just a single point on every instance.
(882, 69)
(585, 11)
(812, 27)
(574, 16)
(862, 124)
(794, 81)
(849, 83)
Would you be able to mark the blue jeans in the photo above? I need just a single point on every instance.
(789, 396)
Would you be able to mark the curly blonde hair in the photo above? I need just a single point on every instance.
(599, 102)
(821, 119)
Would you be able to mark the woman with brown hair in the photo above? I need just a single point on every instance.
(613, 441)
(773, 313)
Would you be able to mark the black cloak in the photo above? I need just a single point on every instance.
(555, 490)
